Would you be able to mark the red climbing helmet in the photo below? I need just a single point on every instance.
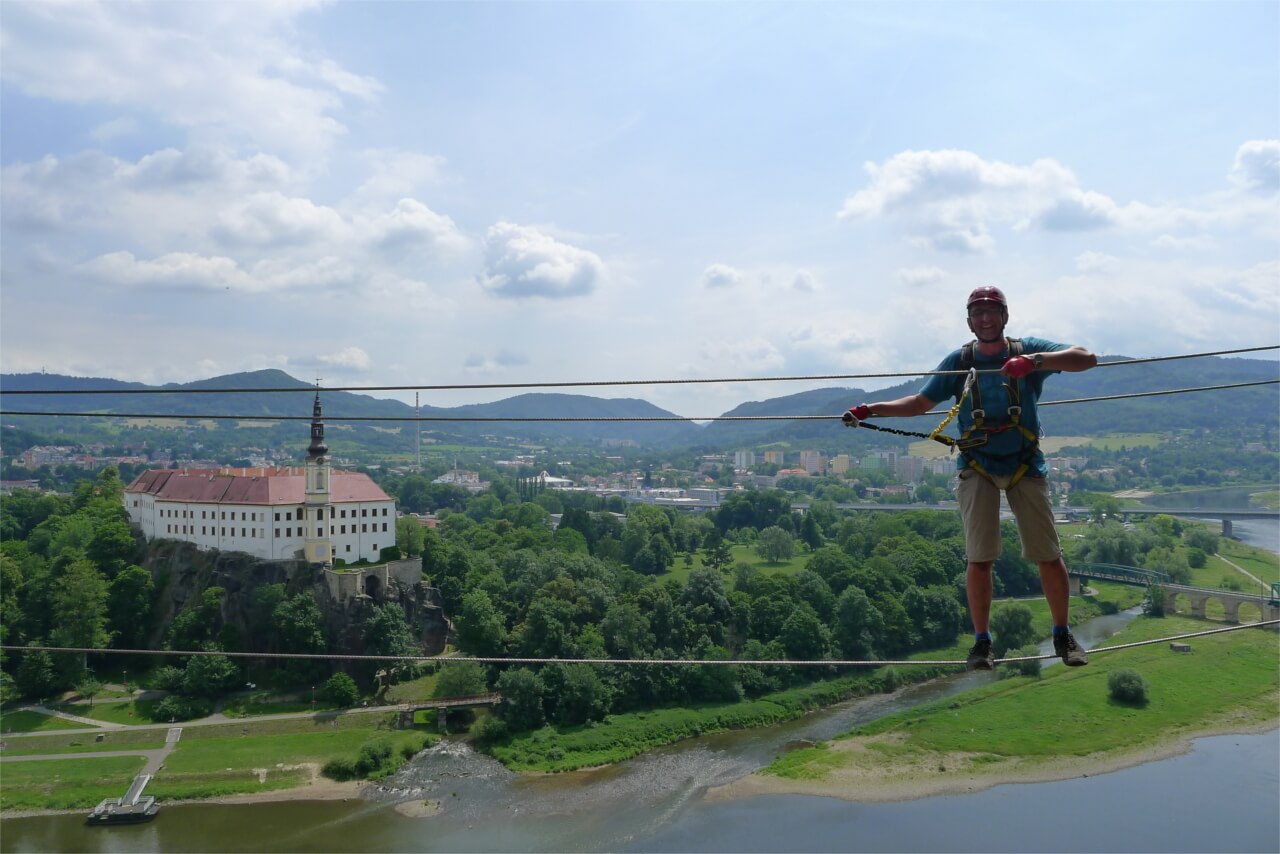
(987, 293)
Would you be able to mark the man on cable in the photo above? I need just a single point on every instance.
(999, 450)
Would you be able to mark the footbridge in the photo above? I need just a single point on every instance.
(442, 706)
(1230, 600)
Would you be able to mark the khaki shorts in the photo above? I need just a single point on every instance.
(1032, 510)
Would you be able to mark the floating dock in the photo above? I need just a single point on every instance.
(130, 809)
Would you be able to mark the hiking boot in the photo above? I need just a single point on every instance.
(981, 657)
(1071, 653)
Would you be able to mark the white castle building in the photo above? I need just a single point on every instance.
(311, 512)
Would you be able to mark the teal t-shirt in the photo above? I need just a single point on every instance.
(1004, 451)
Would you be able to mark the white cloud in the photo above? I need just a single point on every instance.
(176, 270)
(1197, 243)
(720, 276)
(504, 358)
(350, 358)
(395, 174)
(951, 200)
(1257, 166)
(227, 71)
(805, 282)
(189, 271)
(523, 262)
(919, 275)
(125, 126)
(272, 219)
(411, 223)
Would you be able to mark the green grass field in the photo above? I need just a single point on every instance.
(1229, 677)
(66, 783)
(25, 721)
(209, 761)
(1269, 499)
(1260, 562)
(741, 554)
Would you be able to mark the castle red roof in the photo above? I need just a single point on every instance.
(250, 486)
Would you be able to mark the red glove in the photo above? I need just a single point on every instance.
(1018, 367)
(861, 412)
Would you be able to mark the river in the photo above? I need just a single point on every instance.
(1224, 796)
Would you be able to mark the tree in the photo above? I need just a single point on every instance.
(129, 604)
(460, 678)
(857, 624)
(36, 677)
(88, 688)
(582, 696)
(386, 633)
(775, 545)
(1011, 628)
(409, 536)
(521, 705)
(112, 546)
(804, 637)
(209, 676)
(341, 690)
(626, 631)
(80, 611)
(480, 627)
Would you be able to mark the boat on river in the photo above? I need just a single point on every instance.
(133, 808)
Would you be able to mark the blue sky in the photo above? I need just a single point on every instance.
(485, 192)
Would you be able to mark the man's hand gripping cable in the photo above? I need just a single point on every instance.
(851, 418)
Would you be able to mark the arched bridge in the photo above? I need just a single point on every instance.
(1231, 600)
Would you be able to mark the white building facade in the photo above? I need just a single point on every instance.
(312, 513)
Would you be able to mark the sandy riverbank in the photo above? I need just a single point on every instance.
(864, 775)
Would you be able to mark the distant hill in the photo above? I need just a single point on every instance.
(1230, 410)
(338, 404)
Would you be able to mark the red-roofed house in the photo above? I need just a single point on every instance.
(272, 513)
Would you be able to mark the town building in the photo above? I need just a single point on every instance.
(775, 457)
(813, 462)
(313, 512)
(744, 460)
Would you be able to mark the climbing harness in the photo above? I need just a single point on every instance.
(980, 431)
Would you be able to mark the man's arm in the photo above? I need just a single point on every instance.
(1072, 360)
(903, 407)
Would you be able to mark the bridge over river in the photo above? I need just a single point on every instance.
(1231, 600)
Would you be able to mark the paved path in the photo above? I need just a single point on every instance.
(1243, 571)
(212, 720)
(155, 757)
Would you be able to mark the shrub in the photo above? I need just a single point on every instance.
(1023, 668)
(341, 689)
(492, 729)
(179, 708)
(167, 678)
(1153, 602)
(1127, 686)
(341, 768)
(889, 680)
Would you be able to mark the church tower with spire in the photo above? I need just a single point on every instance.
(317, 506)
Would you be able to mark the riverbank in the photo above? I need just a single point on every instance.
(921, 778)
(1062, 726)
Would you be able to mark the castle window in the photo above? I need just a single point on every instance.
(277, 529)
(364, 529)
(384, 526)
(344, 529)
